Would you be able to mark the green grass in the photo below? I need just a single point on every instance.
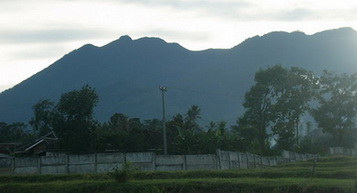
(51, 178)
(332, 175)
(206, 185)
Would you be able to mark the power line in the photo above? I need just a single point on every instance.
(207, 92)
(225, 94)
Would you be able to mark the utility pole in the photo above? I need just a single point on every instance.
(163, 89)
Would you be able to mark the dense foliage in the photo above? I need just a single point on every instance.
(275, 107)
(277, 101)
(125, 173)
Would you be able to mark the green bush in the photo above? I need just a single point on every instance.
(125, 173)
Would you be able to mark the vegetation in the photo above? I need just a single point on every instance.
(336, 113)
(337, 174)
(14, 134)
(280, 98)
(42, 121)
(125, 173)
(274, 107)
(277, 101)
(73, 119)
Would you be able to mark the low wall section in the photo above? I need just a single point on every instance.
(340, 151)
(145, 161)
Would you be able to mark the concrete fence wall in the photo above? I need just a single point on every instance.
(343, 151)
(145, 161)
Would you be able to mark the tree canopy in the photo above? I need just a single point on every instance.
(276, 102)
(274, 107)
(336, 112)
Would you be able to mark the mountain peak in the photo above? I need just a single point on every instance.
(127, 43)
(337, 32)
(125, 38)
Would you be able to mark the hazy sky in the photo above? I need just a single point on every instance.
(36, 33)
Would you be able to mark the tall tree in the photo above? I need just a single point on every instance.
(293, 97)
(259, 103)
(153, 134)
(186, 140)
(119, 122)
(336, 112)
(41, 123)
(277, 101)
(74, 119)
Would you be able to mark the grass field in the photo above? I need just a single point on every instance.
(332, 175)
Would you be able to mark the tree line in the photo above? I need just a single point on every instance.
(274, 108)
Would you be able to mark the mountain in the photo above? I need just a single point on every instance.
(127, 74)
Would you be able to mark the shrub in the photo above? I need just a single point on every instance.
(125, 173)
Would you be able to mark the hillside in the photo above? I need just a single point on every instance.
(127, 73)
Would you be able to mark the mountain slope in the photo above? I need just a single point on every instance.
(127, 73)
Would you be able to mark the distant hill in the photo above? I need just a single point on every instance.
(127, 74)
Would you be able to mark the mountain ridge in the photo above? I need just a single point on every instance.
(127, 73)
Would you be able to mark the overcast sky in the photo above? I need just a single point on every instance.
(36, 33)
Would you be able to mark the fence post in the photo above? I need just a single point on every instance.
(184, 167)
(261, 161)
(229, 160)
(218, 152)
(95, 163)
(254, 161)
(39, 164)
(67, 164)
(238, 154)
(13, 165)
(154, 161)
(246, 157)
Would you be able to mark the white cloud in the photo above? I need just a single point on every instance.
(59, 35)
(36, 32)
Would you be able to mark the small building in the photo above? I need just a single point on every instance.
(39, 147)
